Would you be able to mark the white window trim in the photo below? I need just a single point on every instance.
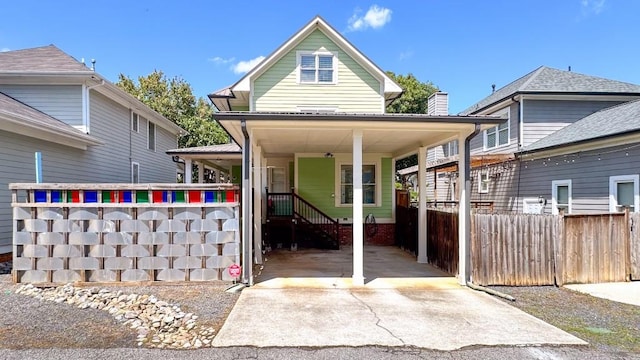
(613, 191)
(502, 112)
(338, 183)
(134, 165)
(554, 196)
(135, 118)
(155, 135)
(299, 55)
(481, 182)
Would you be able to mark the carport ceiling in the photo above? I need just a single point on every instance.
(394, 134)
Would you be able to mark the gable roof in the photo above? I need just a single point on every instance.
(546, 80)
(16, 116)
(51, 62)
(46, 59)
(391, 89)
(616, 120)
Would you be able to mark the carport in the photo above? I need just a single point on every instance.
(263, 134)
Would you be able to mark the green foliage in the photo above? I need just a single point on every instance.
(414, 98)
(412, 101)
(174, 99)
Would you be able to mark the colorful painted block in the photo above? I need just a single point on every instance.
(159, 196)
(142, 196)
(91, 196)
(56, 196)
(177, 196)
(194, 196)
(40, 196)
(231, 196)
(210, 196)
(73, 196)
(108, 196)
(125, 196)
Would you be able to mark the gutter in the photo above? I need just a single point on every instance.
(465, 236)
(247, 228)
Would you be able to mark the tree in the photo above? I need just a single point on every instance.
(174, 99)
(412, 101)
(414, 98)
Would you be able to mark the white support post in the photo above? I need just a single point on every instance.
(247, 205)
(422, 206)
(257, 201)
(263, 188)
(393, 190)
(358, 233)
(200, 172)
(188, 166)
(464, 213)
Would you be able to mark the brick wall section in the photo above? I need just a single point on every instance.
(384, 236)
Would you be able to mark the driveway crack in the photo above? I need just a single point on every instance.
(378, 320)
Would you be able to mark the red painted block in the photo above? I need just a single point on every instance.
(194, 196)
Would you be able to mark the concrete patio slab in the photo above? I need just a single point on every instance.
(624, 292)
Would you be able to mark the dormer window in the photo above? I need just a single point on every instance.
(317, 68)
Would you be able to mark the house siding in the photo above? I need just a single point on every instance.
(104, 163)
(476, 145)
(111, 123)
(588, 171)
(316, 184)
(63, 102)
(543, 117)
(357, 91)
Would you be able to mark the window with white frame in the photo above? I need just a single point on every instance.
(499, 135)
(317, 68)
(369, 184)
(151, 136)
(135, 122)
(483, 182)
(561, 197)
(450, 148)
(623, 192)
(135, 173)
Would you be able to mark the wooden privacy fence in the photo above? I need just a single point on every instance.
(521, 249)
(524, 249)
(442, 244)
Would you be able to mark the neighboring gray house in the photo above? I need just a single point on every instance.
(537, 107)
(86, 128)
(592, 165)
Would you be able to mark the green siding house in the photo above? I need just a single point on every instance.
(311, 122)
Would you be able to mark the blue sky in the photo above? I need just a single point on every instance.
(461, 46)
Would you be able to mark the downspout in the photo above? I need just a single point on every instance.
(466, 276)
(87, 109)
(247, 276)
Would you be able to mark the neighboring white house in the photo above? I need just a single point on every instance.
(85, 128)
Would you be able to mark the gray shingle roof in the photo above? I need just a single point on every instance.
(14, 109)
(45, 59)
(549, 80)
(231, 148)
(616, 120)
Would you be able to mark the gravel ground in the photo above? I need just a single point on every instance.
(608, 326)
(28, 323)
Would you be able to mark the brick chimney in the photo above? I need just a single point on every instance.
(438, 104)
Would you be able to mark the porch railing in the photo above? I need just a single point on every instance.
(294, 206)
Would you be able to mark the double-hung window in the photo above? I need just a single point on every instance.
(499, 135)
(317, 68)
(151, 138)
(561, 197)
(135, 121)
(623, 192)
(369, 184)
(483, 182)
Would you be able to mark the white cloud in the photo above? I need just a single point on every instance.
(592, 7)
(221, 60)
(405, 55)
(4, 49)
(244, 66)
(375, 18)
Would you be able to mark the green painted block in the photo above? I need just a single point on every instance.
(178, 196)
(142, 196)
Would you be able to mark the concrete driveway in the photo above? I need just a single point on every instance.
(624, 292)
(429, 311)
